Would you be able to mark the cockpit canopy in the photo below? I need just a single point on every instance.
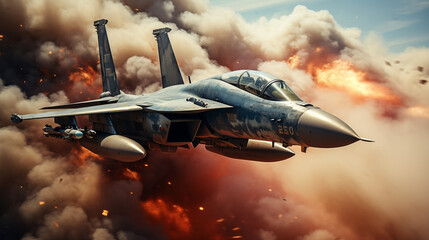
(260, 84)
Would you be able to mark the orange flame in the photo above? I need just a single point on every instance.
(294, 61)
(174, 218)
(87, 75)
(82, 155)
(342, 75)
(131, 174)
(83, 82)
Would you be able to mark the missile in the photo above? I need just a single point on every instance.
(256, 150)
(116, 147)
(65, 133)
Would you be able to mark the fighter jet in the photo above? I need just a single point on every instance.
(243, 114)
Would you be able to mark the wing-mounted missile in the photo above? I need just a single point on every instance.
(67, 133)
(112, 146)
(256, 150)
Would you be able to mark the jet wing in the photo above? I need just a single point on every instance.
(184, 105)
(89, 103)
(110, 108)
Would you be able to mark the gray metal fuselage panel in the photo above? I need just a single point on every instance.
(250, 116)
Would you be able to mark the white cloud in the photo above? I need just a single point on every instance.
(407, 40)
(394, 25)
(413, 6)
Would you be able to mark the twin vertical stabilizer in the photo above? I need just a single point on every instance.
(170, 72)
(108, 74)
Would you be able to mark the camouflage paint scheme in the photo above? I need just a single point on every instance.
(229, 117)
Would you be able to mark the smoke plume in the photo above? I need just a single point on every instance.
(58, 190)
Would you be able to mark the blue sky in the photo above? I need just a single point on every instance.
(401, 23)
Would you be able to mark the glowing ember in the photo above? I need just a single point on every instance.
(237, 237)
(56, 224)
(50, 52)
(169, 183)
(220, 220)
(41, 203)
(146, 165)
(236, 229)
(1, 37)
(174, 218)
(105, 213)
(201, 208)
(41, 80)
(270, 190)
(343, 76)
(131, 174)
(293, 61)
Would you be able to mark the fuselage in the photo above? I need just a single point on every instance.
(251, 117)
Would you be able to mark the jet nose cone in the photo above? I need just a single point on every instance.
(317, 128)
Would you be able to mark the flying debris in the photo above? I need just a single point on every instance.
(242, 114)
(105, 212)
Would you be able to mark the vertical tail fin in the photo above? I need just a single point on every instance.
(170, 71)
(108, 73)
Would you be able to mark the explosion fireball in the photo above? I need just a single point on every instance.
(343, 76)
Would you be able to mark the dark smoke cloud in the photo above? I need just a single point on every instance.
(57, 190)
